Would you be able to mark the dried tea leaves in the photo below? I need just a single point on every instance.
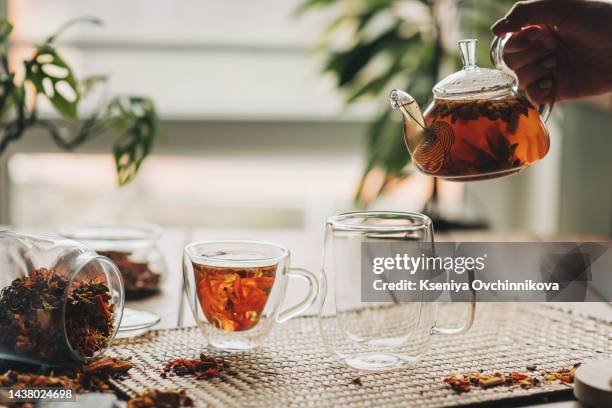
(92, 377)
(202, 367)
(500, 154)
(17, 380)
(565, 375)
(508, 110)
(464, 382)
(161, 399)
(89, 318)
(31, 316)
(95, 375)
(138, 278)
(107, 365)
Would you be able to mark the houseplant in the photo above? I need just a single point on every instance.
(405, 44)
(131, 119)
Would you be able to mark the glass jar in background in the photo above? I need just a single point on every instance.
(132, 247)
(60, 301)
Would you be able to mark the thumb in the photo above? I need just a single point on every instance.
(526, 13)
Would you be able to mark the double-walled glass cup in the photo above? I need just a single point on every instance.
(374, 336)
(236, 288)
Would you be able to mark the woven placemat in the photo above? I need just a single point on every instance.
(294, 368)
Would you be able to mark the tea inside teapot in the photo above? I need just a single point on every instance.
(480, 139)
(477, 127)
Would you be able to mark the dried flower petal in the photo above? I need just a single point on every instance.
(200, 368)
(161, 399)
(138, 278)
(462, 382)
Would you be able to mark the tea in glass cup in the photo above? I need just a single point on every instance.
(233, 299)
(236, 288)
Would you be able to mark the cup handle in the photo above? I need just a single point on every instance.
(458, 330)
(313, 291)
(496, 51)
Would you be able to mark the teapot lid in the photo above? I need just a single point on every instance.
(473, 82)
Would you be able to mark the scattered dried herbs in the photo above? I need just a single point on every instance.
(161, 399)
(15, 379)
(95, 375)
(107, 366)
(92, 377)
(464, 382)
(138, 278)
(459, 383)
(31, 316)
(202, 367)
(565, 375)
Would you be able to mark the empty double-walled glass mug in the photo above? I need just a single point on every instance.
(236, 289)
(375, 336)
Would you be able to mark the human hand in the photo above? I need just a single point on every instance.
(559, 49)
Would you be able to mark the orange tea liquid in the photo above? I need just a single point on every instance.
(233, 299)
(482, 139)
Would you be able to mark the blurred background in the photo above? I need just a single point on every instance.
(259, 134)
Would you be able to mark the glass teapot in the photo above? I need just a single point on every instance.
(478, 125)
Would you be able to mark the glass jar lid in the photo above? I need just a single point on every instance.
(473, 82)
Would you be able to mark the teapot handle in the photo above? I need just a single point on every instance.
(497, 47)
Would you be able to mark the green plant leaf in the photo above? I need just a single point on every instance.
(132, 119)
(52, 77)
(388, 149)
(70, 23)
(135, 121)
(90, 83)
(12, 129)
(371, 88)
(346, 64)
(397, 67)
(311, 4)
(5, 29)
(6, 99)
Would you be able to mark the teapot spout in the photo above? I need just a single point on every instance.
(414, 122)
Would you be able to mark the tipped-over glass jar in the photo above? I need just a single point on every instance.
(132, 247)
(477, 127)
(60, 301)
